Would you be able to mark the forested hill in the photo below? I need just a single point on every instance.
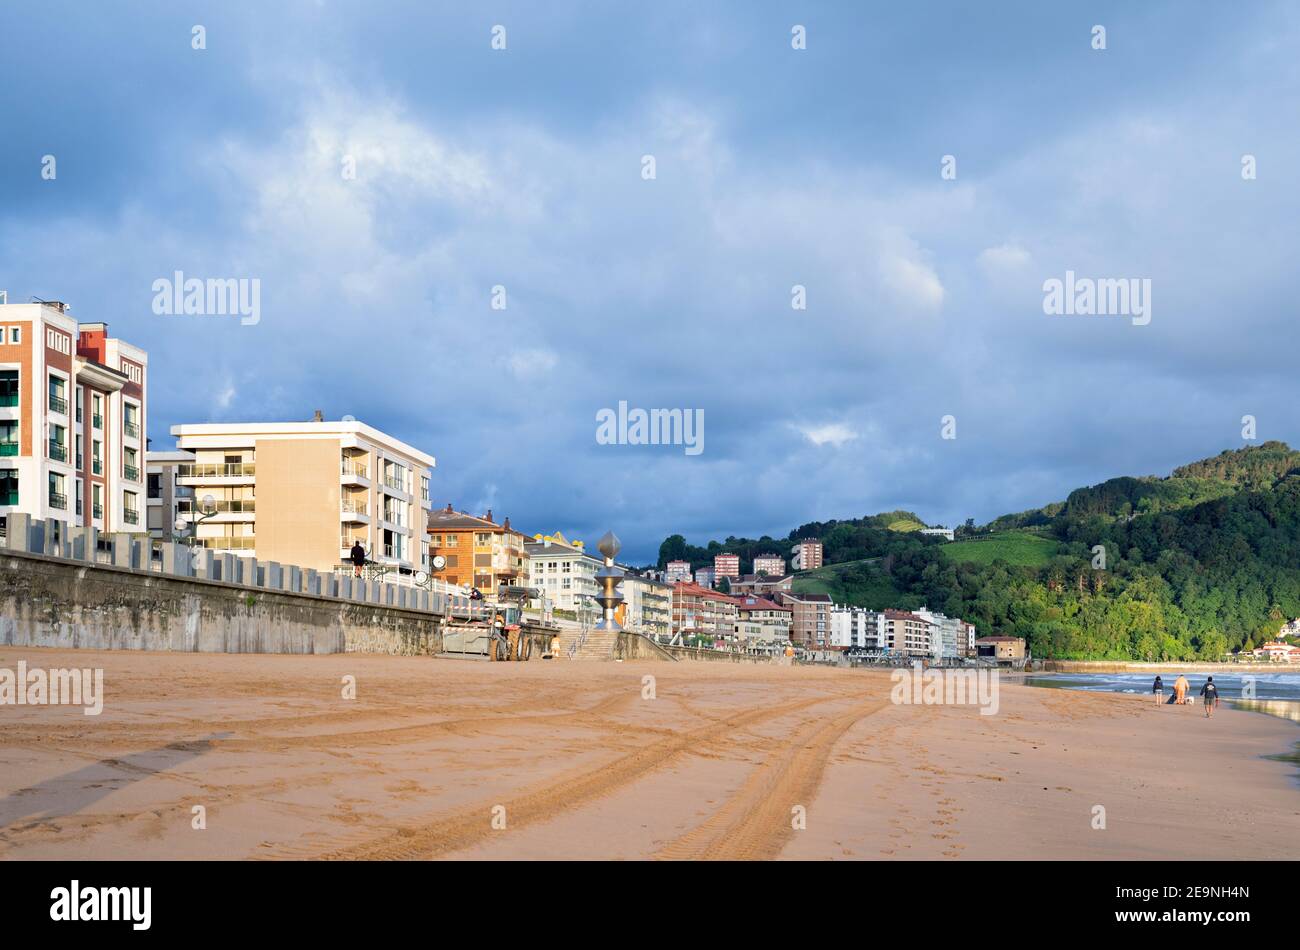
(1197, 563)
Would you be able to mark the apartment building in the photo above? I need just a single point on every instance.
(480, 553)
(762, 625)
(705, 577)
(907, 633)
(806, 555)
(856, 628)
(164, 494)
(726, 565)
(73, 404)
(676, 572)
(647, 606)
(701, 611)
(302, 492)
(773, 565)
(811, 618)
(561, 570)
(947, 634)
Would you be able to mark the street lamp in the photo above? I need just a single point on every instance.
(208, 507)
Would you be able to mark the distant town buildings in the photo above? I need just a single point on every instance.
(773, 565)
(856, 628)
(303, 492)
(647, 606)
(806, 555)
(1278, 652)
(704, 577)
(762, 625)
(726, 565)
(762, 585)
(700, 611)
(676, 572)
(73, 409)
(907, 633)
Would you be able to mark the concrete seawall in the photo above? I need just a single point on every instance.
(55, 602)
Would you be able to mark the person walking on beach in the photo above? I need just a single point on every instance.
(1210, 696)
(1158, 690)
(358, 558)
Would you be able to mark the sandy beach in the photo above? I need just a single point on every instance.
(456, 759)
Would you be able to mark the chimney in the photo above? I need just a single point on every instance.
(507, 523)
(317, 417)
(488, 516)
(449, 508)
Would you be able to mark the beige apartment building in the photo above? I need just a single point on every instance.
(302, 492)
(72, 419)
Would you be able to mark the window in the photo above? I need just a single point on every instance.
(78, 490)
(130, 465)
(57, 497)
(96, 457)
(482, 538)
(424, 488)
(155, 486)
(15, 335)
(453, 540)
(131, 420)
(96, 501)
(78, 444)
(130, 510)
(9, 438)
(8, 387)
(58, 394)
(58, 443)
(8, 486)
(81, 393)
(97, 411)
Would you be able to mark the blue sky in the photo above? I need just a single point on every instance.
(478, 167)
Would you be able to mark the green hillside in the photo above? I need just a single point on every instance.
(1204, 560)
(1019, 548)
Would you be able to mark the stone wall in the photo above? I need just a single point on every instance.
(57, 591)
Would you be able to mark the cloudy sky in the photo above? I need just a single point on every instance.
(774, 167)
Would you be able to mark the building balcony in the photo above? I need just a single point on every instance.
(228, 473)
(131, 430)
(8, 448)
(354, 510)
(395, 485)
(58, 501)
(226, 544)
(97, 511)
(130, 516)
(58, 452)
(97, 466)
(354, 473)
(97, 421)
(58, 404)
(131, 473)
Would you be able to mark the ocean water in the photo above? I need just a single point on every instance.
(1276, 694)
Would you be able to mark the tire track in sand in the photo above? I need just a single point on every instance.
(754, 824)
(464, 827)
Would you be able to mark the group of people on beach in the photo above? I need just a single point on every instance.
(1209, 693)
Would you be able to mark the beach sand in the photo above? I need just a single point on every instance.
(433, 756)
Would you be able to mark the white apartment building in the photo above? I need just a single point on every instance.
(567, 575)
(761, 624)
(677, 572)
(73, 404)
(303, 492)
(647, 605)
(947, 634)
(856, 628)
